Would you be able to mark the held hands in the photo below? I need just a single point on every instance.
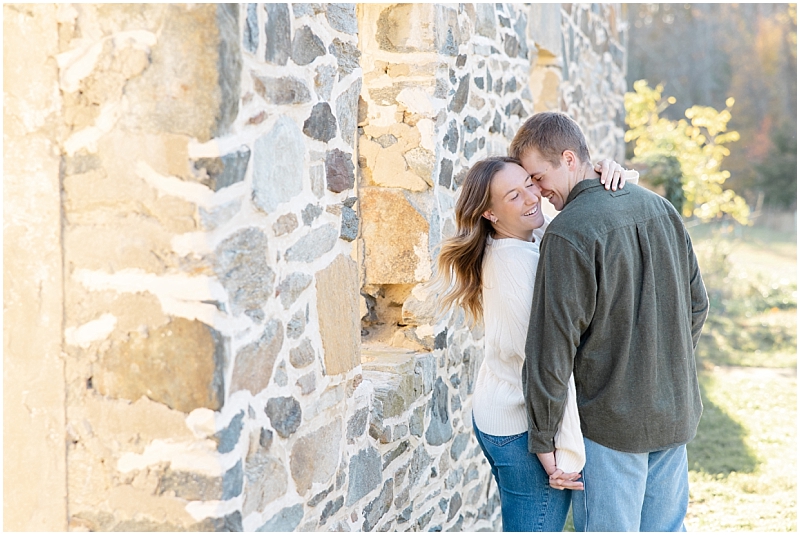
(558, 479)
(613, 175)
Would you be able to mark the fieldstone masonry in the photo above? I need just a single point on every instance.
(241, 205)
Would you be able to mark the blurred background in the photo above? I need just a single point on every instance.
(711, 112)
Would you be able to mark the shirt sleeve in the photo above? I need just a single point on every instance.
(698, 293)
(563, 305)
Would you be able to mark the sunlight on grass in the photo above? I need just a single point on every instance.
(752, 483)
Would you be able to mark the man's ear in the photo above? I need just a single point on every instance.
(570, 159)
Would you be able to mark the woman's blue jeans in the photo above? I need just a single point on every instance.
(527, 501)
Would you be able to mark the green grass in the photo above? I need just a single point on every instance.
(743, 462)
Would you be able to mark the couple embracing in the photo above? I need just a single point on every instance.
(588, 391)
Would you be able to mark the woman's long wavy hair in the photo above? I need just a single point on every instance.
(460, 262)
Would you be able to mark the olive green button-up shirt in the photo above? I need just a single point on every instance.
(620, 301)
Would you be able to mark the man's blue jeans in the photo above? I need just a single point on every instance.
(632, 491)
(527, 502)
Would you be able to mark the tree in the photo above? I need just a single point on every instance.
(696, 146)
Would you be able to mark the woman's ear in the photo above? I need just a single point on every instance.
(490, 216)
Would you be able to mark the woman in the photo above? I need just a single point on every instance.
(489, 270)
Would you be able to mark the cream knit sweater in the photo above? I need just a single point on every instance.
(498, 403)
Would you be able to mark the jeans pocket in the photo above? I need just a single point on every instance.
(502, 441)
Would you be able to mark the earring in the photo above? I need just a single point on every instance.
(494, 219)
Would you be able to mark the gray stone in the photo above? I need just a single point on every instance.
(454, 478)
(511, 85)
(455, 505)
(364, 474)
(265, 438)
(281, 91)
(342, 17)
(439, 430)
(425, 369)
(339, 171)
(189, 485)
(395, 453)
(470, 148)
(307, 383)
(232, 482)
(316, 174)
(250, 37)
(278, 165)
(281, 379)
(421, 161)
(400, 430)
(461, 96)
(357, 425)
(224, 171)
(420, 461)
(291, 287)
(378, 507)
(386, 140)
(450, 139)
(229, 66)
(445, 173)
(459, 445)
(321, 124)
(302, 355)
(229, 437)
(285, 224)
(315, 456)
(516, 108)
(254, 362)
(286, 520)
(461, 60)
(306, 46)
(347, 56)
(440, 342)
(296, 325)
(284, 414)
(405, 515)
(277, 34)
(486, 22)
(349, 230)
(520, 28)
(313, 245)
(442, 505)
(449, 47)
(416, 421)
(471, 124)
(324, 80)
(504, 22)
(310, 213)
(311, 9)
(497, 123)
(423, 520)
(331, 508)
(266, 482)
(347, 110)
(479, 82)
(316, 500)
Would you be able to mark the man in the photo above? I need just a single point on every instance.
(620, 301)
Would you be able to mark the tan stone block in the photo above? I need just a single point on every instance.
(179, 365)
(391, 171)
(394, 70)
(395, 238)
(315, 456)
(337, 309)
(134, 425)
(407, 135)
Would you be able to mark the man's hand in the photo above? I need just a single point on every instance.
(559, 480)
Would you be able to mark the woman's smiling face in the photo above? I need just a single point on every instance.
(514, 203)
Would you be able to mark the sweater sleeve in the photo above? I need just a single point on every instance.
(562, 309)
(570, 450)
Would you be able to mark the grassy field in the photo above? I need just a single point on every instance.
(743, 463)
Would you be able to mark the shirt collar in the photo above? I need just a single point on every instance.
(582, 186)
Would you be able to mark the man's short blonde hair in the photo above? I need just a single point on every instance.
(550, 133)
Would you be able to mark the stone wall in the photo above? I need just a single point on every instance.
(232, 227)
